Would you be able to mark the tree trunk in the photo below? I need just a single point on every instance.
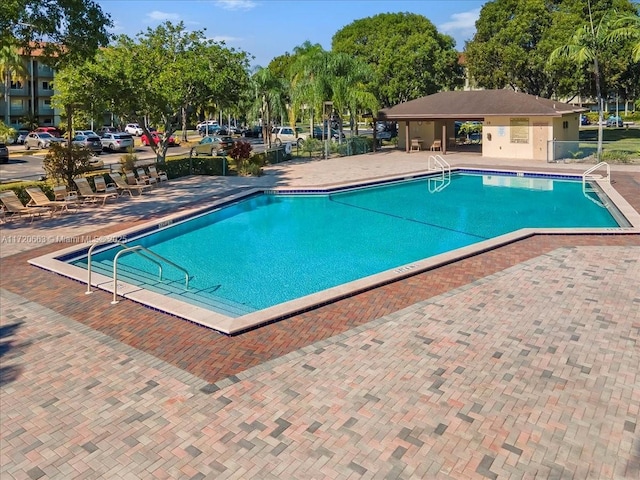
(600, 113)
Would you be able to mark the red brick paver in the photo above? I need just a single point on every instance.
(528, 374)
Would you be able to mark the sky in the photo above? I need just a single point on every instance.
(268, 28)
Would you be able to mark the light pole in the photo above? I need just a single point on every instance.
(327, 113)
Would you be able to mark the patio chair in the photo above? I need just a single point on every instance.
(103, 187)
(416, 144)
(123, 186)
(160, 176)
(40, 199)
(60, 192)
(88, 195)
(436, 145)
(132, 180)
(143, 177)
(14, 207)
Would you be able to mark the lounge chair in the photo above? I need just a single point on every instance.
(159, 176)
(123, 186)
(40, 199)
(436, 145)
(88, 195)
(104, 187)
(133, 181)
(14, 207)
(60, 193)
(143, 177)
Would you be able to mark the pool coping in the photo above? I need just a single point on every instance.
(236, 325)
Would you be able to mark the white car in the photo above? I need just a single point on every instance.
(280, 135)
(133, 129)
(206, 122)
(116, 141)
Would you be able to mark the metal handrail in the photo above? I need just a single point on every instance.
(587, 174)
(134, 249)
(445, 172)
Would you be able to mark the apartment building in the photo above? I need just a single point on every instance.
(30, 94)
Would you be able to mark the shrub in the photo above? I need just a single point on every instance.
(128, 160)
(311, 145)
(620, 156)
(197, 166)
(63, 164)
(241, 152)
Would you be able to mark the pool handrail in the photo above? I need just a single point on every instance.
(589, 176)
(134, 249)
(436, 162)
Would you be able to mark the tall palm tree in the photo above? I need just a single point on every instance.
(269, 93)
(587, 45)
(12, 67)
(310, 80)
(627, 26)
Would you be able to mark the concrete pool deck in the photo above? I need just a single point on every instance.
(521, 362)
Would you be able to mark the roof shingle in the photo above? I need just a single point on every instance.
(477, 104)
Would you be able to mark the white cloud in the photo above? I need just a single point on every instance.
(117, 27)
(236, 4)
(225, 39)
(163, 16)
(462, 25)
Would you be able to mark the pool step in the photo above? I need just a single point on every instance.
(174, 288)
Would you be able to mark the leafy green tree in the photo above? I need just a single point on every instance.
(407, 54)
(6, 132)
(63, 163)
(587, 46)
(514, 39)
(159, 77)
(68, 31)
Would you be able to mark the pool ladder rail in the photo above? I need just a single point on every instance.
(439, 183)
(137, 249)
(590, 176)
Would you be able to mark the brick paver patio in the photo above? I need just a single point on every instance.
(518, 363)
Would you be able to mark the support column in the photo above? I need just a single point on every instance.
(407, 141)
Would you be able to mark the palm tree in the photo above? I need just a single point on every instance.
(627, 26)
(11, 66)
(310, 82)
(269, 92)
(587, 45)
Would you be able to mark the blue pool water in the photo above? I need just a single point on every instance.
(272, 248)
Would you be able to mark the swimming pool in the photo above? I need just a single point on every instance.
(272, 253)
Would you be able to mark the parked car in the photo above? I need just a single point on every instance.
(206, 122)
(614, 121)
(107, 129)
(255, 132)
(584, 120)
(155, 137)
(213, 145)
(21, 136)
(41, 140)
(50, 130)
(280, 135)
(88, 133)
(211, 129)
(386, 130)
(116, 141)
(96, 163)
(319, 134)
(4, 153)
(133, 129)
(90, 142)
